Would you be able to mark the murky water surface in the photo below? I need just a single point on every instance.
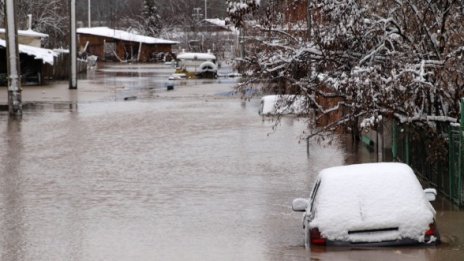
(184, 175)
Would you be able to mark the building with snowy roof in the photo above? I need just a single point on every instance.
(36, 63)
(116, 45)
(212, 34)
(216, 25)
(27, 37)
(33, 62)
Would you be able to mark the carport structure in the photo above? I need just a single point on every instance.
(34, 62)
(116, 45)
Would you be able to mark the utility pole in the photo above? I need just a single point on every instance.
(73, 45)
(206, 12)
(15, 106)
(89, 13)
(196, 14)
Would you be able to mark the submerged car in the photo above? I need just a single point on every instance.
(371, 204)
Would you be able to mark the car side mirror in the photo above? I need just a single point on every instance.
(430, 194)
(300, 204)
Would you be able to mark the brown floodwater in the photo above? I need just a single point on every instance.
(183, 175)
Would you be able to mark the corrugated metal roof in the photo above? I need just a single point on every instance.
(123, 35)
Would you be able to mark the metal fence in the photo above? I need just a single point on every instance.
(412, 147)
(456, 164)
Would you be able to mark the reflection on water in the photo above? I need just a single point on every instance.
(145, 81)
(12, 203)
(169, 179)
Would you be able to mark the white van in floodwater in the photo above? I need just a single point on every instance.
(203, 65)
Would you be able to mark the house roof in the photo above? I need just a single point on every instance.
(29, 33)
(123, 35)
(46, 55)
(219, 23)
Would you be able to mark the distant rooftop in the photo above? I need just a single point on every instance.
(123, 35)
(29, 33)
(220, 23)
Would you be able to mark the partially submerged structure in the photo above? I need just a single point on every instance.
(116, 45)
(202, 65)
(35, 62)
(27, 37)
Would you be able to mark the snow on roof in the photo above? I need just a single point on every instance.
(46, 55)
(123, 35)
(217, 21)
(196, 56)
(220, 23)
(371, 196)
(29, 33)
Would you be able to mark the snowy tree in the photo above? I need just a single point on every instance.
(152, 19)
(396, 59)
(49, 16)
(237, 11)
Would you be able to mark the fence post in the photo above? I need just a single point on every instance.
(461, 155)
(462, 112)
(394, 141)
(307, 146)
(407, 157)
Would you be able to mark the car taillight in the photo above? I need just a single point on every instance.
(316, 237)
(432, 231)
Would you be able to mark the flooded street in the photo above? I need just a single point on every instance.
(192, 174)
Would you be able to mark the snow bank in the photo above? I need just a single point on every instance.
(46, 55)
(123, 35)
(371, 196)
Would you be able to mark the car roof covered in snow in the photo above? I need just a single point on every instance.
(369, 196)
(123, 35)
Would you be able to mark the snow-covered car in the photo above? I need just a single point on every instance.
(371, 204)
(282, 105)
